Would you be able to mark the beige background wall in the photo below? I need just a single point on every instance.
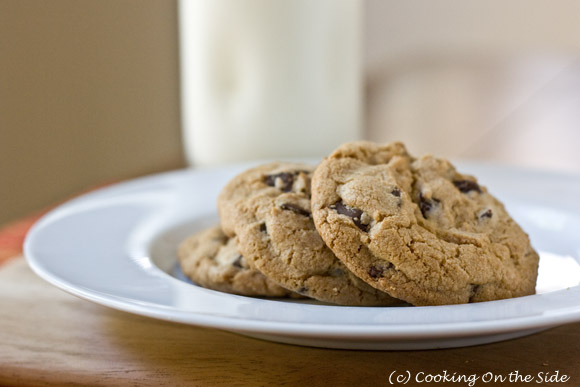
(494, 80)
(88, 94)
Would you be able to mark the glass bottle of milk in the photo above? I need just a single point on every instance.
(269, 78)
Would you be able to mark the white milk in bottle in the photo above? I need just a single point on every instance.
(269, 79)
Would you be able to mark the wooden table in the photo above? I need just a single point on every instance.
(48, 337)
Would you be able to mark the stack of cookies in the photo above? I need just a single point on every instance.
(370, 226)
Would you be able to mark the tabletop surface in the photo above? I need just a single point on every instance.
(48, 337)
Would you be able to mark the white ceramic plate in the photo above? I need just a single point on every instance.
(117, 247)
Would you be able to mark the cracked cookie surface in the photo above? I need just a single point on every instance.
(212, 260)
(418, 229)
(268, 209)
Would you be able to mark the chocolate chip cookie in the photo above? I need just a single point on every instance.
(268, 209)
(212, 260)
(418, 229)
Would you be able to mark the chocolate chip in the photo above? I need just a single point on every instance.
(396, 192)
(336, 272)
(466, 186)
(303, 290)
(296, 209)
(426, 205)
(238, 262)
(286, 178)
(263, 228)
(376, 272)
(343, 209)
(353, 213)
(486, 214)
(474, 289)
